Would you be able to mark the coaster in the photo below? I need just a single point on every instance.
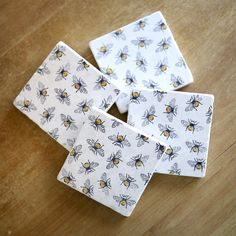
(111, 162)
(143, 54)
(60, 93)
(182, 120)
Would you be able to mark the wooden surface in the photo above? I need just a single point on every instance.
(33, 202)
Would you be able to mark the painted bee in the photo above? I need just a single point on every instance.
(47, 115)
(84, 106)
(88, 167)
(79, 85)
(115, 123)
(43, 69)
(26, 105)
(209, 115)
(57, 53)
(68, 122)
(119, 140)
(106, 103)
(191, 125)
(142, 42)
(171, 153)
(145, 177)
(119, 34)
(142, 139)
(97, 123)
(196, 146)
(138, 161)
(197, 164)
(101, 82)
(128, 181)
(83, 65)
(96, 147)
(114, 160)
(42, 92)
(171, 110)
(104, 50)
(109, 72)
(68, 178)
(87, 189)
(141, 62)
(164, 45)
(140, 25)
(174, 170)
(63, 72)
(105, 183)
(160, 149)
(160, 26)
(149, 116)
(124, 200)
(167, 131)
(193, 103)
(176, 81)
(122, 55)
(53, 133)
(62, 96)
(159, 94)
(161, 66)
(75, 152)
(137, 97)
(150, 84)
(130, 79)
(181, 63)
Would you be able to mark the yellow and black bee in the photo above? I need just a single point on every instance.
(197, 164)
(142, 42)
(149, 116)
(106, 103)
(96, 147)
(181, 63)
(209, 115)
(175, 170)
(79, 85)
(176, 81)
(150, 84)
(160, 149)
(160, 26)
(142, 139)
(57, 53)
(124, 200)
(62, 96)
(53, 133)
(161, 67)
(68, 178)
(141, 62)
(193, 103)
(88, 167)
(164, 45)
(171, 153)
(43, 69)
(105, 183)
(145, 177)
(196, 146)
(130, 79)
(191, 125)
(140, 25)
(104, 50)
(138, 161)
(109, 72)
(128, 181)
(75, 152)
(114, 160)
(84, 106)
(97, 123)
(159, 94)
(26, 105)
(119, 34)
(42, 92)
(47, 115)
(171, 109)
(137, 97)
(167, 131)
(119, 140)
(101, 83)
(87, 189)
(83, 65)
(68, 122)
(122, 55)
(63, 72)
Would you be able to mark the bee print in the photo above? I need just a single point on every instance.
(171, 110)
(140, 25)
(68, 122)
(79, 85)
(53, 133)
(164, 45)
(109, 72)
(197, 164)
(88, 167)
(171, 153)
(115, 123)
(82, 65)
(142, 139)
(141, 62)
(97, 123)
(96, 147)
(114, 160)
(119, 140)
(104, 50)
(181, 63)
(137, 97)
(176, 81)
(27, 87)
(161, 66)
(145, 177)
(193, 103)
(149, 116)
(196, 146)
(150, 84)
(130, 79)
(160, 149)
(26, 105)
(122, 55)
(209, 115)
(63, 72)
(160, 26)
(138, 161)
(57, 53)
(84, 106)
(142, 42)
(62, 96)
(43, 69)
(124, 200)
(106, 103)
(75, 152)
(101, 83)
(42, 92)
(119, 34)
(159, 94)
(105, 183)
(68, 178)
(191, 125)
(175, 170)
(128, 181)
(47, 115)
(87, 189)
(167, 131)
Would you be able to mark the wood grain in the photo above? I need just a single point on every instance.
(33, 202)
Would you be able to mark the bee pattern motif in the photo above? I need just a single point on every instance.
(150, 84)
(161, 66)
(138, 161)
(122, 55)
(105, 183)
(104, 50)
(171, 153)
(87, 188)
(62, 96)
(191, 125)
(193, 103)
(79, 85)
(145, 177)
(114, 160)
(43, 69)
(140, 25)
(101, 83)
(68, 122)
(96, 147)
(106, 103)
(53, 133)
(137, 97)
(196, 147)
(88, 167)
(130, 79)
(63, 72)
(160, 26)
(160, 149)
(84, 106)
(141, 62)
(97, 123)
(142, 139)
(167, 131)
(26, 105)
(57, 53)
(119, 140)
(149, 116)
(164, 45)
(209, 115)
(47, 115)
(82, 65)
(42, 92)
(119, 34)
(176, 81)
(74, 154)
(68, 178)
(197, 164)
(175, 170)
(159, 94)
(109, 72)
(142, 42)
(171, 110)
(124, 200)
(127, 181)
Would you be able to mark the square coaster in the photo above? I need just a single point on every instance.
(143, 54)
(111, 162)
(182, 120)
(60, 93)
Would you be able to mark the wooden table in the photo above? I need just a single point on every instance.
(33, 202)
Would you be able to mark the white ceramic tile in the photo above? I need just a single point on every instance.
(111, 162)
(182, 120)
(142, 54)
(61, 92)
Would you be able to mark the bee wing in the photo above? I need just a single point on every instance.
(126, 143)
(125, 49)
(101, 152)
(83, 90)
(172, 102)
(90, 142)
(90, 103)
(144, 177)
(58, 77)
(64, 172)
(101, 128)
(191, 163)
(133, 185)
(175, 167)
(92, 118)
(145, 158)
(51, 110)
(87, 183)
(67, 101)
(140, 143)
(122, 177)
(94, 164)
(176, 149)
(81, 170)
(104, 176)
(116, 198)
(131, 163)
(63, 117)
(75, 79)
(43, 120)
(135, 42)
(70, 141)
(118, 154)
(112, 137)
(41, 85)
(173, 135)
(161, 127)
(58, 91)
(184, 123)
(110, 165)
(165, 61)
(78, 148)
(142, 98)
(202, 149)
(189, 108)
(67, 66)
(198, 128)
(130, 202)
(165, 157)
(152, 110)
(148, 42)
(73, 126)
(145, 122)
(189, 144)
(170, 116)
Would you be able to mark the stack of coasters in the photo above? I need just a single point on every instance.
(61, 92)
(142, 54)
(110, 162)
(182, 120)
